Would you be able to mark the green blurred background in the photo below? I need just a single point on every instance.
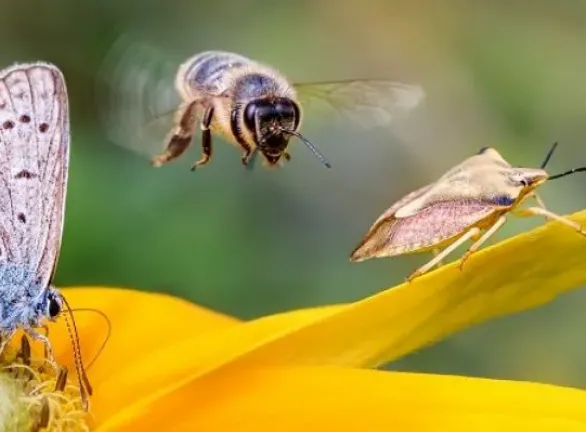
(503, 73)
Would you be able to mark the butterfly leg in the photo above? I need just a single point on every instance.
(479, 242)
(5, 338)
(539, 211)
(181, 136)
(448, 250)
(47, 343)
(206, 138)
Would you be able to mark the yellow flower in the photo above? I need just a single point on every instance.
(173, 366)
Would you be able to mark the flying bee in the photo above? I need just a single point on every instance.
(246, 103)
(254, 106)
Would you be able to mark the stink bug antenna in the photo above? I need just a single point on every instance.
(572, 171)
(557, 176)
(309, 145)
(85, 387)
(549, 153)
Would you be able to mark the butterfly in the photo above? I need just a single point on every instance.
(34, 162)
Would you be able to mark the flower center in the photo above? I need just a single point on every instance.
(35, 395)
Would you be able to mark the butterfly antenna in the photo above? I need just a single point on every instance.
(549, 154)
(85, 387)
(108, 334)
(310, 146)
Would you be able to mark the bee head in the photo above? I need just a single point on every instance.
(272, 122)
(266, 119)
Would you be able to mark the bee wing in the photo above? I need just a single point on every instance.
(136, 95)
(34, 160)
(425, 228)
(367, 102)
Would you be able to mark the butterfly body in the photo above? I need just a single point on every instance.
(26, 303)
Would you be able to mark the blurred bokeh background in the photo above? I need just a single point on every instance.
(504, 73)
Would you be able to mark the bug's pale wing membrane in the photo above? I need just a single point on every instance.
(430, 226)
(405, 200)
(367, 102)
(136, 96)
(34, 137)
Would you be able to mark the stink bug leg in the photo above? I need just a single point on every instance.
(539, 211)
(476, 245)
(435, 253)
(448, 250)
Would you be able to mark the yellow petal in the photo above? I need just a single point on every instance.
(141, 322)
(511, 276)
(517, 274)
(514, 275)
(336, 399)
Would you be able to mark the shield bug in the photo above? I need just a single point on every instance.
(469, 202)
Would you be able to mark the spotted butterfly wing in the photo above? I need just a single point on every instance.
(34, 156)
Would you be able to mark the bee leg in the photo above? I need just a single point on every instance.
(181, 137)
(476, 245)
(206, 138)
(287, 156)
(250, 160)
(248, 155)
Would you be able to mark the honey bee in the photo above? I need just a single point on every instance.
(255, 107)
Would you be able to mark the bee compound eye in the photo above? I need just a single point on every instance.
(250, 115)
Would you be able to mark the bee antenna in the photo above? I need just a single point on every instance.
(85, 387)
(549, 154)
(572, 171)
(309, 145)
